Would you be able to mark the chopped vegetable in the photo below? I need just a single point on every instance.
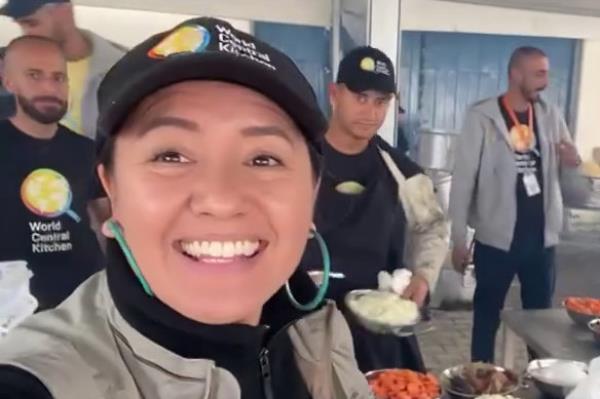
(404, 384)
(588, 306)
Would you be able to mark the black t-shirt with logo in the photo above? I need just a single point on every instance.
(357, 227)
(46, 187)
(364, 230)
(529, 229)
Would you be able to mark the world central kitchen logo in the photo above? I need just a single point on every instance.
(47, 193)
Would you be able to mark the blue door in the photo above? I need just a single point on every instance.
(443, 73)
(308, 46)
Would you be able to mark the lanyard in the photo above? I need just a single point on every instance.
(516, 122)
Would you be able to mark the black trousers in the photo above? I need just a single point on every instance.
(494, 272)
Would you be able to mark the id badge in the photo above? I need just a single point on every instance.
(532, 186)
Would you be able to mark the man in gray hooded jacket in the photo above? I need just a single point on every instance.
(89, 56)
(515, 162)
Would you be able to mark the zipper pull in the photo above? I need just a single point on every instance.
(265, 371)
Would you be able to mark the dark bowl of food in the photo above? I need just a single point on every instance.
(582, 310)
(476, 379)
(594, 327)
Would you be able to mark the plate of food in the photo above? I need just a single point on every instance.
(383, 312)
(556, 378)
(476, 379)
(403, 384)
(582, 310)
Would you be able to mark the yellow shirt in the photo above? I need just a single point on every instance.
(78, 73)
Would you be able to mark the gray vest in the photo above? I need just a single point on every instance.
(85, 349)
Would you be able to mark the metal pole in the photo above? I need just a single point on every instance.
(398, 67)
(369, 18)
(336, 25)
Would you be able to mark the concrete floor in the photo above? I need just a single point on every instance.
(578, 268)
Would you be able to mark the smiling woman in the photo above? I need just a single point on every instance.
(211, 162)
(213, 206)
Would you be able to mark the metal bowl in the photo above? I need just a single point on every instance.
(552, 390)
(317, 276)
(581, 319)
(451, 373)
(374, 373)
(404, 330)
(594, 327)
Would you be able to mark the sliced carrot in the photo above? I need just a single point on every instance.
(404, 384)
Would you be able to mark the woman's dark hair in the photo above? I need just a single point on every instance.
(315, 151)
(106, 152)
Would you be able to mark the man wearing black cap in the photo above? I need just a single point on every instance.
(370, 195)
(89, 56)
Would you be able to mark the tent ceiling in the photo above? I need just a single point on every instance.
(304, 12)
(577, 7)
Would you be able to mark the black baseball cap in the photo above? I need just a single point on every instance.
(367, 68)
(207, 49)
(21, 8)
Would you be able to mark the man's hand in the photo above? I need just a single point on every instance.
(461, 257)
(569, 157)
(417, 290)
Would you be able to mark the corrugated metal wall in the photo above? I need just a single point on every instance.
(308, 46)
(443, 73)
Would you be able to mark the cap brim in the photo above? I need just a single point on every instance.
(364, 85)
(18, 12)
(212, 66)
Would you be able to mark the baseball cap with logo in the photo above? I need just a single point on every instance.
(206, 49)
(22, 8)
(367, 68)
